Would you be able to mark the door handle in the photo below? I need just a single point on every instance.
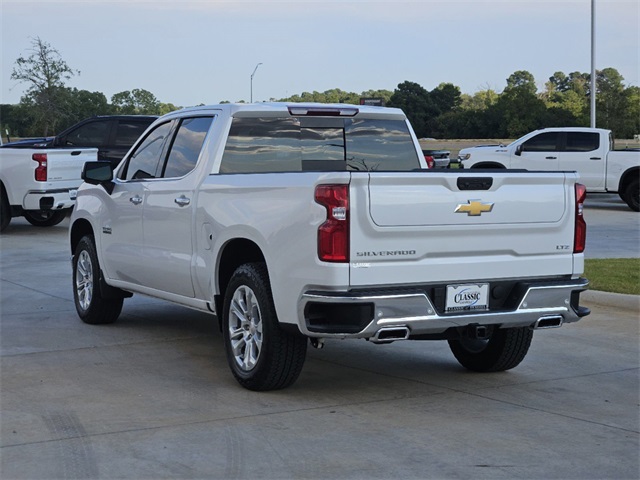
(182, 201)
(137, 200)
(551, 158)
(75, 153)
(595, 158)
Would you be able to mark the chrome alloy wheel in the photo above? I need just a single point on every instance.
(84, 280)
(245, 328)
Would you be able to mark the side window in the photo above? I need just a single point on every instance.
(582, 141)
(92, 134)
(143, 163)
(186, 147)
(543, 142)
(128, 132)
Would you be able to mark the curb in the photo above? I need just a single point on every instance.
(608, 299)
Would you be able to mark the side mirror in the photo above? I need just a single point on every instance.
(98, 173)
(519, 150)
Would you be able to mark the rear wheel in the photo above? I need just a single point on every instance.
(632, 195)
(5, 209)
(44, 218)
(261, 355)
(503, 350)
(91, 306)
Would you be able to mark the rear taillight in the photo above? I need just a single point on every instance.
(40, 173)
(580, 236)
(333, 235)
(430, 161)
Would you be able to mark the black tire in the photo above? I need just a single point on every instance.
(261, 355)
(504, 350)
(5, 209)
(91, 306)
(632, 195)
(44, 218)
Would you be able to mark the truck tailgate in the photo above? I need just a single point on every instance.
(66, 164)
(454, 226)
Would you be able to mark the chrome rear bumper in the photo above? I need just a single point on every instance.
(543, 305)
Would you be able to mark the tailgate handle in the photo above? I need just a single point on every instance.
(475, 183)
(76, 152)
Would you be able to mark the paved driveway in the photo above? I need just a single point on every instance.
(613, 229)
(151, 396)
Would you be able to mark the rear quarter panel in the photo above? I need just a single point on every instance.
(619, 162)
(278, 213)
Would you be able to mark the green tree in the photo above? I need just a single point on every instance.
(522, 83)
(632, 122)
(480, 100)
(135, 102)
(414, 100)
(44, 71)
(165, 108)
(611, 102)
(521, 108)
(446, 97)
(83, 104)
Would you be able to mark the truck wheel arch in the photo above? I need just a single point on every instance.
(5, 208)
(79, 229)
(234, 253)
(627, 177)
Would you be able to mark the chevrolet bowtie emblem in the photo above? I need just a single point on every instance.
(474, 208)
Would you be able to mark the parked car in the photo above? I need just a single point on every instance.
(296, 223)
(436, 158)
(112, 135)
(43, 192)
(588, 151)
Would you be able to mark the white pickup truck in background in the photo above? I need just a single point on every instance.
(39, 176)
(297, 223)
(588, 151)
(40, 184)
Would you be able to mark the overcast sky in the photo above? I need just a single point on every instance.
(192, 52)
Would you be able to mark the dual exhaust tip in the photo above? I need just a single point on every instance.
(391, 334)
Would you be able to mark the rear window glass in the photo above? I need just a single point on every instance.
(129, 132)
(261, 145)
(582, 141)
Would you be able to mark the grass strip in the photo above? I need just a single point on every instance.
(617, 275)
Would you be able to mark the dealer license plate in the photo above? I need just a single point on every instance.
(467, 297)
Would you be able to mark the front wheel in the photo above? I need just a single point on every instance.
(632, 195)
(91, 306)
(261, 355)
(44, 218)
(503, 350)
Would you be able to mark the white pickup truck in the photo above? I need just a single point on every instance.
(39, 176)
(40, 184)
(588, 151)
(297, 223)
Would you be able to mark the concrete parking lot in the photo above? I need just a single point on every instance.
(151, 396)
